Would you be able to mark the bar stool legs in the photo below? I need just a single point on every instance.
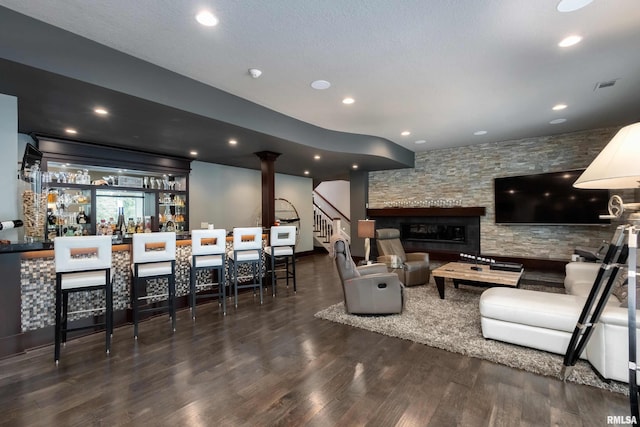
(136, 297)
(61, 327)
(290, 271)
(221, 283)
(256, 271)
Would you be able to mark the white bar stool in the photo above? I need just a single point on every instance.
(83, 263)
(208, 249)
(282, 249)
(153, 257)
(247, 249)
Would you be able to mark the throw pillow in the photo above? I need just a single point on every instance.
(619, 288)
(622, 291)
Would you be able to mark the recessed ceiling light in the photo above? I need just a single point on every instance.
(306, 172)
(480, 132)
(255, 73)
(320, 84)
(570, 41)
(572, 5)
(233, 142)
(557, 121)
(317, 157)
(559, 107)
(101, 111)
(348, 101)
(405, 133)
(354, 166)
(207, 18)
(71, 131)
(420, 141)
(193, 153)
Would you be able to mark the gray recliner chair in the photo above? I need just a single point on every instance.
(368, 289)
(412, 268)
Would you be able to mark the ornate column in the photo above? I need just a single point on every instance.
(267, 166)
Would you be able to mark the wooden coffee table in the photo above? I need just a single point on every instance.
(465, 274)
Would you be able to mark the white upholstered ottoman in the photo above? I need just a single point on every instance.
(540, 320)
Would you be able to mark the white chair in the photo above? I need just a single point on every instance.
(282, 249)
(208, 249)
(247, 249)
(153, 257)
(83, 263)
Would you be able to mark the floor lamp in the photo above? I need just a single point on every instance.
(618, 167)
(367, 230)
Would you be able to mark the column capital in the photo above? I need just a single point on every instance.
(267, 155)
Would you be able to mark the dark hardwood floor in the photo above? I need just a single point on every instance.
(276, 364)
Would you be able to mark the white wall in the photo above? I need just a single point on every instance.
(8, 163)
(232, 197)
(338, 193)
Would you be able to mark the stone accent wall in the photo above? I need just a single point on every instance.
(467, 173)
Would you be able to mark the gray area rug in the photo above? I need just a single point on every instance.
(453, 324)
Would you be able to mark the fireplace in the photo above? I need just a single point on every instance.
(452, 230)
(432, 232)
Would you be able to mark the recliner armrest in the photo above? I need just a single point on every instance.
(389, 279)
(418, 256)
(366, 270)
(386, 259)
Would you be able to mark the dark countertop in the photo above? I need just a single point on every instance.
(48, 245)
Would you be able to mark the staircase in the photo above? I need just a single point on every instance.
(326, 220)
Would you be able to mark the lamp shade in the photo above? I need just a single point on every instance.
(617, 165)
(366, 228)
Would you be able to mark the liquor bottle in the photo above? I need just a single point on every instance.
(121, 227)
(82, 217)
(131, 226)
(7, 225)
(51, 218)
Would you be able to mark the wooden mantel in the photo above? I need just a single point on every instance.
(457, 211)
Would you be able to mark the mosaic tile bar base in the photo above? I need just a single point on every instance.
(38, 278)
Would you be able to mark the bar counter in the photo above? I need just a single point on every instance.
(27, 290)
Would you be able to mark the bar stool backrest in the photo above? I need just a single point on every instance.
(82, 253)
(247, 238)
(283, 235)
(154, 247)
(208, 242)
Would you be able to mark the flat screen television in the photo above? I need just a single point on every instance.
(31, 157)
(548, 198)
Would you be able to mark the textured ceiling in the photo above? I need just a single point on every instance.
(442, 69)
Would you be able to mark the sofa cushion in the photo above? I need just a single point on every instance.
(580, 279)
(580, 275)
(540, 309)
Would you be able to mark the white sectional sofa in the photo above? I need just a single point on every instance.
(545, 321)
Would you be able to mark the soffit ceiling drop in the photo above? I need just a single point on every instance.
(441, 70)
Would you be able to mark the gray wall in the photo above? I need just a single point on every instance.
(231, 197)
(8, 163)
(467, 173)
